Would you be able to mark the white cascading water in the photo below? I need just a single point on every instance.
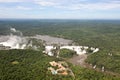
(15, 41)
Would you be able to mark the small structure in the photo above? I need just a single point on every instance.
(57, 68)
(53, 63)
(53, 71)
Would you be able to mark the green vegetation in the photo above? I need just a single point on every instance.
(111, 63)
(66, 53)
(33, 66)
(87, 74)
(104, 34)
(36, 44)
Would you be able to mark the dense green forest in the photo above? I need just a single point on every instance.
(66, 53)
(104, 34)
(32, 65)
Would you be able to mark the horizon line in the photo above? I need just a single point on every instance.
(53, 19)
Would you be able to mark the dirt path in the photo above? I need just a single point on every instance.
(80, 60)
